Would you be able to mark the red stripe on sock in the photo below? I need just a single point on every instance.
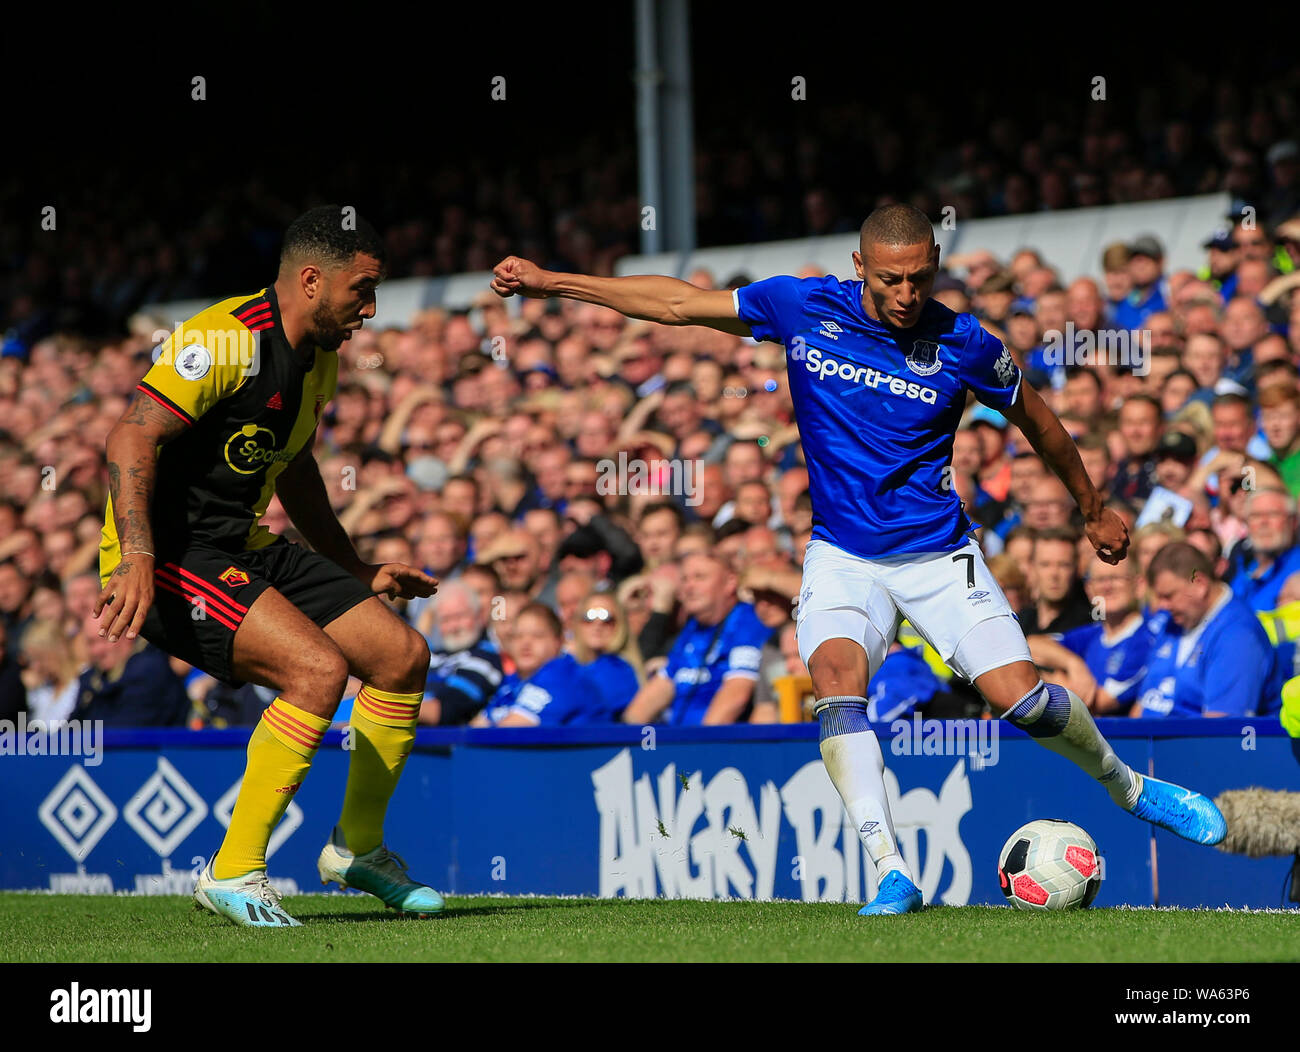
(276, 720)
(306, 728)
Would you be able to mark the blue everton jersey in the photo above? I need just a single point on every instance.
(1118, 665)
(704, 655)
(1225, 665)
(614, 681)
(556, 695)
(877, 408)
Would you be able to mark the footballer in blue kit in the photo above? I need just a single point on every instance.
(879, 375)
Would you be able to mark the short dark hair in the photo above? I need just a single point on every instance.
(659, 506)
(1147, 399)
(1181, 558)
(548, 615)
(1062, 534)
(898, 224)
(1074, 372)
(1232, 398)
(331, 235)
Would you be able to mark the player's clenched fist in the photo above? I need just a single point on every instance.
(1109, 536)
(514, 275)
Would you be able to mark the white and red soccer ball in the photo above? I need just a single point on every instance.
(1049, 864)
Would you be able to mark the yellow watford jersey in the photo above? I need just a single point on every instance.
(250, 402)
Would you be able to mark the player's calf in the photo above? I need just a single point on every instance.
(1059, 720)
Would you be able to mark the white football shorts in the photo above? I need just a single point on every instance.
(950, 598)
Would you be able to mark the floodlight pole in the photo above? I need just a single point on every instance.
(664, 128)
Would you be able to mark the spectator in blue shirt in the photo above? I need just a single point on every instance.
(606, 651)
(713, 667)
(1145, 266)
(1260, 564)
(548, 687)
(1107, 658)
(1212, 657)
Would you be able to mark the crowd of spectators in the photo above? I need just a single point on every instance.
(779, 169)
(618, 511)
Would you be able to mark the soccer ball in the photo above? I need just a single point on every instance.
(1049, 865)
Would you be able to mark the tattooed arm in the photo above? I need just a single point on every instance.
(132, 463)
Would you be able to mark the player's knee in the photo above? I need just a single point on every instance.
(838, 667)
(325, 673)
(414, 664)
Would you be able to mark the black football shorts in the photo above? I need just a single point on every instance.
(202, 594)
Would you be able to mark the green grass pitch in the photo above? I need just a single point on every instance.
(86, 928)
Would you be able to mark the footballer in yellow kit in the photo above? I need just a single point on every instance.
(224, 420)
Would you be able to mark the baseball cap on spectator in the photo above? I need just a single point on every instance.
(1226, 385)
(583, 542)
(1147, 245)
(429, 473)
(984, 415)
(1021, 305)
(945, 282)
(1286, 150)
(1003, 281)
(1220, 240)
(508, 544)
(1178, 445)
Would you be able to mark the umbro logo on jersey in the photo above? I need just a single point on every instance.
(977, 595)
(275, 402)
(829, 329)
(868, 828)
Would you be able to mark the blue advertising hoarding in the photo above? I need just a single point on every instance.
(743, 812)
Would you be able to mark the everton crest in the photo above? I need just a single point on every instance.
(923, 358)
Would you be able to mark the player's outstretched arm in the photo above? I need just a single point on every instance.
(302, 492)
(132, 452)
(650, 297)
(1053, 443)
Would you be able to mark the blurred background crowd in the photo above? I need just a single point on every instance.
(617, 511)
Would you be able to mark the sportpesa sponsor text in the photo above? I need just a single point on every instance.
(822, 365)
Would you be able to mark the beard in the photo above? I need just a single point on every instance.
(453, 641)
(327, 333)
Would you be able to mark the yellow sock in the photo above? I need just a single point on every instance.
(279, 755)
(383, 729)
